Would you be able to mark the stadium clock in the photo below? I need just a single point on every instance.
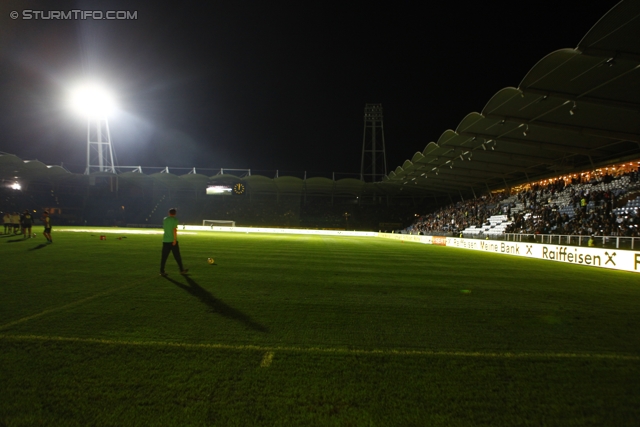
(238, 188)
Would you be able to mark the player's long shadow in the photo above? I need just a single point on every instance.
(17, 240)
(40, 246)
(216, 305)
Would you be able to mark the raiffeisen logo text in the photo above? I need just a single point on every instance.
(74, 14)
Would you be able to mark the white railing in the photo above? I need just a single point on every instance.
(618, 242)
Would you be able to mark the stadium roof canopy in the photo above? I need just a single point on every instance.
(14, 169)
(576, 109)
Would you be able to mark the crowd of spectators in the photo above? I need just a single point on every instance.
(455, 218)
(562, 206)
(589, 208)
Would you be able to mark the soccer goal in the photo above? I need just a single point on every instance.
(218, 223)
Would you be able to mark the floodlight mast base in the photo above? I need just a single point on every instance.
(99, 149)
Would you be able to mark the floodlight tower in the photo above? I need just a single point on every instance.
(99, 149)
(95, 103)
(373, 132)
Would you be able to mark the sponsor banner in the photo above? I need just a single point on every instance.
(612, 258)
(440, 240)
(407, 237)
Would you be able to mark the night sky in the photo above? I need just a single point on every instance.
(268, 85)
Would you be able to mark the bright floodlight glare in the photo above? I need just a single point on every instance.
(16, 186)
(92, 100)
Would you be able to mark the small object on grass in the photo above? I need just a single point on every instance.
(210, 260)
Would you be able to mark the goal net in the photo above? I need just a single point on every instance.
(218, 223)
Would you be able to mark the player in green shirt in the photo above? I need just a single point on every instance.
(170, 242)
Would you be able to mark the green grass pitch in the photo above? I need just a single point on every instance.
(290, 330)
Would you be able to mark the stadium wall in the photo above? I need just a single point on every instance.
(277, 230)
(614, 259)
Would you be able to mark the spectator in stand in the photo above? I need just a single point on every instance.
(455, 218)
(592, 210)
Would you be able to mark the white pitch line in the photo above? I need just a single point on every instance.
(266, 360)
(72, 304)
(328, 350)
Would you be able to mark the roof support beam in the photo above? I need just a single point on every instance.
(473, 173)
(441, 185)
(562, 148)
(606, 53)
(502, 154)
(588, 99)
(602, 133)
(462, 173)
(457, 184)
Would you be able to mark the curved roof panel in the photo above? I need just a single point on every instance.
(575, 109)
(6, 159)
(319, 185)
(33, 165)
(350, 186)
(54, 171)
(288, 184)
(615, 33)
(194, 177)
(134, 176)
(224, 178)
(168, 179)
(260, 183)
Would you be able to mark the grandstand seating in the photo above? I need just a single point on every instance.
(631, 208)
(496, 225)
(549, 208)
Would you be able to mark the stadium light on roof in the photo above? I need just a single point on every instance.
(95, 103)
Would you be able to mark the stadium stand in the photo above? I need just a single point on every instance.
(553, 207)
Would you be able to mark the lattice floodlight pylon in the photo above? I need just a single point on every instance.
(99, 149)
(374, 160)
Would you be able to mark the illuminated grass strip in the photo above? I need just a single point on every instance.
(327, 350)
(73, 304)
(266, 360)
